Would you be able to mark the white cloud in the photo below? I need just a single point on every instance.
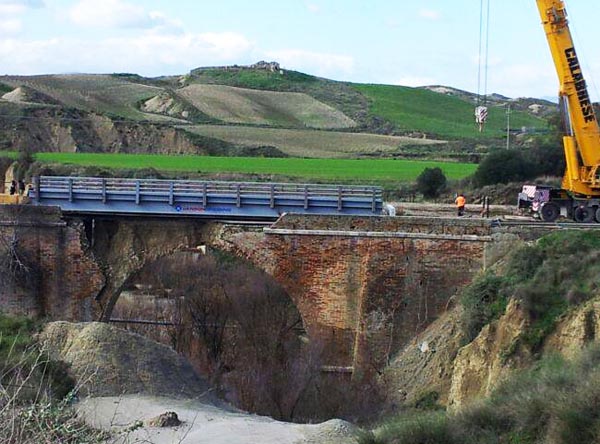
(23, 3)
(415, 81)
(11, 12)
(10, 26)
(321, 64)
(313, 7)
(430, 14)
(16, 7)
(165, 24)
(11, 9)
(523, 80)
(114, 14)
(148, 54)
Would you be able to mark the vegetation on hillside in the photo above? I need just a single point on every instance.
(555, 402)
(4, 88)
(559, 271)
(431, 182)
(250, 106)
(413, 109)
(102, 94)
(543, 156)
(379, 109)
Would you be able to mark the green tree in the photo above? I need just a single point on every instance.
(431, 182)
(503, 166)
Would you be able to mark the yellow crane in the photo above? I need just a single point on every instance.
(579, 197)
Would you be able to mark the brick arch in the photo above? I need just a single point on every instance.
(363, 286)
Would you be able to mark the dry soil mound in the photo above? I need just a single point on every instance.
(24, 94)
(108, 361)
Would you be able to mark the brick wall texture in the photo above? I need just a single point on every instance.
(64, 274)
(363, 296)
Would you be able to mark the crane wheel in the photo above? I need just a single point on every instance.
(584, 215)
(549, 212)
(598, 214)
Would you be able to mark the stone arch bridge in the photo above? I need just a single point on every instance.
(364, 286)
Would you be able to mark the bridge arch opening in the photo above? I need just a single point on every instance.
(237, 326)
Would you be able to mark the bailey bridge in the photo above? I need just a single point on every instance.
(85, 196)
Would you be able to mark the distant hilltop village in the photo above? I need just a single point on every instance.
(262, 66)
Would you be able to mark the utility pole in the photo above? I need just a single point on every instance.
(508, 126)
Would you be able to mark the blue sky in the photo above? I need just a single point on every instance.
(413, 43)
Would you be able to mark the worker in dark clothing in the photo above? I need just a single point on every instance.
(13, 187)
(460, 204)
(21, 187)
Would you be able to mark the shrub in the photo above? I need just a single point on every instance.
(483, 301)
(503, 166)
(431, 182)
(25, 367)
(416, 428)
(548, 156)
(428, 401)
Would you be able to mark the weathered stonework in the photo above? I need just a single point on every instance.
(65, 273)
(365, 286)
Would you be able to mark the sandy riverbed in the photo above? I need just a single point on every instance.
(202, 423)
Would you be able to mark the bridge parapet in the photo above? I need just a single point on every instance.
(202, 199)
(384, 224)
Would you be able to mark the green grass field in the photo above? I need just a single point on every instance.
(368, 171)
(434, 113)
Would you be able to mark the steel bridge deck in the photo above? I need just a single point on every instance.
(201, 199)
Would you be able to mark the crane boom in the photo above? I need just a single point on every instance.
(579, 197)
(582, 132)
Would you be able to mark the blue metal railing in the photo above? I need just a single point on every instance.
(95, 195)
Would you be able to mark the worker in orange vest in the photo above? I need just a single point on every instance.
(460, 204)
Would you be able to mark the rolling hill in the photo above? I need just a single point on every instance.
(247, 111)
(248, 106)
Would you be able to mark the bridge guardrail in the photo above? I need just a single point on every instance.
(202, 198)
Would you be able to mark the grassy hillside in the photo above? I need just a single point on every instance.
(433, 113)
(344, 170)
(261, 99)
(312, 143)
(248, 106)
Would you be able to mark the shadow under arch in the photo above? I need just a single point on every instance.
(235, 323)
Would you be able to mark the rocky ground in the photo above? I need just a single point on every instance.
(126, 381)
